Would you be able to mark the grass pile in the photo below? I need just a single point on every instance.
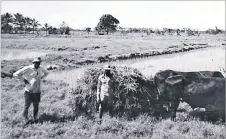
(134, 94)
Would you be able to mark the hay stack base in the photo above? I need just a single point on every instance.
(134, 93)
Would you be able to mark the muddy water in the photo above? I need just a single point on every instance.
(206, 59)
(13, 54)
(69, 76)
(212, 59)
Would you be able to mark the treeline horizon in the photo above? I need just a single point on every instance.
(17, 23)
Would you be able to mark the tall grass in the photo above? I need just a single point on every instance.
(142, 127)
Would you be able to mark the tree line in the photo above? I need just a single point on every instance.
(20, 24)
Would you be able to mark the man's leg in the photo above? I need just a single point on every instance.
(36, 101)
(110, 111)
(27, 105)
(100, 110)
(102, 106)
(35, 110)
(110, 105)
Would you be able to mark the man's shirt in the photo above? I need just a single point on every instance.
(104, 86)
(33, 76)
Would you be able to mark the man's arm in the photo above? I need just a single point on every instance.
(19, 74)
(45, 73)
(98, 88)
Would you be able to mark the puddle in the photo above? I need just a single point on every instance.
(13, 54)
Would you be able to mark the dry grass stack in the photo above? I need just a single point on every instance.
(134, 93)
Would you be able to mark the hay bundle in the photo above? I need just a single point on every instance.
(133, 95)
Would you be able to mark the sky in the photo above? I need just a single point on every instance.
(140, 14)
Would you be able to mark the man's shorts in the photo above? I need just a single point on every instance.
(32, 97)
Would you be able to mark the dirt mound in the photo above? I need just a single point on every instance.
(134, 94)
(170, 50)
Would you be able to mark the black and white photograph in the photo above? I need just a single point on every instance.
(113, 69)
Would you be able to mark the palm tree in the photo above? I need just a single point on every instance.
(46, 26)
(35, 24)
(28, 23)
(19, 21)
(6, 22)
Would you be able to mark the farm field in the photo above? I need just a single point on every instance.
(72, 55)
(76, 51)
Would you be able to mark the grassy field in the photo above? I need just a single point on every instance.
(56, 115)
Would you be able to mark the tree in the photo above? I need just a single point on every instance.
(135, 30)
(64, 28)
(6, 22)
(107, 23)
(218, 30)
(35, 24)
(190, 32)
(178, 32)
(46, 27)
(67, 30)
(19, 22)
(28, 24)
(52, 30)
(168, 30)
(88, 29)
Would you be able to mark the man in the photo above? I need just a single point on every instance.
(32, 75)
(105, 92)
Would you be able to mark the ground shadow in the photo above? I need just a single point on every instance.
(213, 116)
(54, 118)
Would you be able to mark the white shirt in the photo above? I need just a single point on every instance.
(104, 86)
(33, 76)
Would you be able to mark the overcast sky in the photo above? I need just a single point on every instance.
(156, 14)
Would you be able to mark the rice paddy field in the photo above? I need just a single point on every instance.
(73, 55)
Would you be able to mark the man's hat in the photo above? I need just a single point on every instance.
(107, 67)
(37, 60)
